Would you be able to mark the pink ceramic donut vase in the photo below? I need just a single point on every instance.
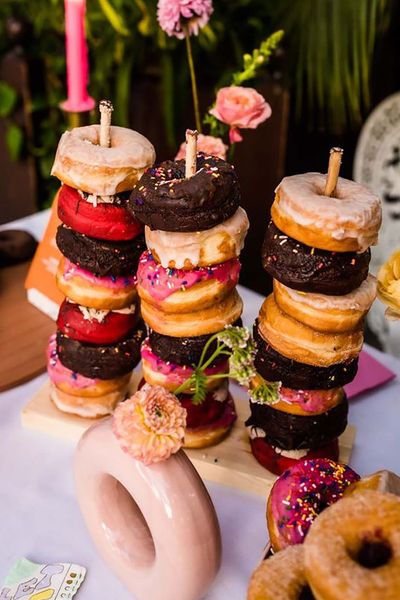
(154, 525)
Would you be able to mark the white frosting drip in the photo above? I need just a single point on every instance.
(295, 454)
(355, 212)
(79, 151)
(179, 246)
(95, 200)
(221, 393)
(90, 314)
(255, 432)
(359, 299)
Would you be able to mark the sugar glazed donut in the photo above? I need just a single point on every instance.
(302, 343)
(85, 165)
(212, 246)
(300, 494)
(352, 550)
(348, 222)
(328, 314)
(280, 577)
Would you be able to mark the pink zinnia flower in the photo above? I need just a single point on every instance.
(150, 426)
(207, 144)
(174, 15)
(240, 108)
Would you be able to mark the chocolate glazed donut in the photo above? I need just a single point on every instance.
(101, 362)
(183, 350)
(273, 366)
(296, 432)
(164, 199)
(100, 257)
(311, 270)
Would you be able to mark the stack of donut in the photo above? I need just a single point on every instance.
(100, 330)
(309, 332)
(195, 230)
(333, 536)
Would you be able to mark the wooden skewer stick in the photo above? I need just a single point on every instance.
(106, 108)
(335, 160)
(191, 153)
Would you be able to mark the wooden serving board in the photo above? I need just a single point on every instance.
(229, 463)
(24, 330)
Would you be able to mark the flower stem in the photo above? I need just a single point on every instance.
(231, 152)
(193, 79)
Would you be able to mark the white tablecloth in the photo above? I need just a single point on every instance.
(40, 519)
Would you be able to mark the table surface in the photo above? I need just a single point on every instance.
(40, 518)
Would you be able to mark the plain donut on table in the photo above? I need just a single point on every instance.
(352, 550)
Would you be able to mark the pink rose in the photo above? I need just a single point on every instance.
(240, 108)
(207, 144)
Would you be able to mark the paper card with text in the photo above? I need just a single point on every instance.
(30, 581)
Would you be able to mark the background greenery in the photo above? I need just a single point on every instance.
(329, 47)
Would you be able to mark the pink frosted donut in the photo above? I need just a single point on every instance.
(83, 396)
(86, 289)
(300, 494)
(169, 375)
(174, 290)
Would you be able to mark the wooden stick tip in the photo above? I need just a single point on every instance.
(105, 106)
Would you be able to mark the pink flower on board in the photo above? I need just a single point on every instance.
(174, 15)
(207, 144)
(240, 108)
(150, 426)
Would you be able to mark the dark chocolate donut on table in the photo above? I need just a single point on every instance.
(101, 257)
(300, 267)
(298, 432)
(183, 350)
(101, 361)
(165, 199)
(273, 366)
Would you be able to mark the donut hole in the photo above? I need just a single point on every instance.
(124, 525)
(374, 553)
(371, 551)
(306, 593)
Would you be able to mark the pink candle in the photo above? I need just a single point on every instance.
(77, 58)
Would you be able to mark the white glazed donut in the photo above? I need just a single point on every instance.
(155, 526)
(182, 250)
(348, 222)
(85, 165)
(331, 314)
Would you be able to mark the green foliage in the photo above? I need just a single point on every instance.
(260, 56)
(330, 51)
(329, 46)
(252, 63)
(14, 140)
(8, 99)
(237, 344)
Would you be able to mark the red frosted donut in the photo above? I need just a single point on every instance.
(96, 326)
(105, 221)
(277, 463)
(300, 494)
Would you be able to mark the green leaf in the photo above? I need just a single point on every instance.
(14, 139)
(113, 17)
(8, 99)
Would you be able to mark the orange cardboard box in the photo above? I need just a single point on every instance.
(40, 283)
